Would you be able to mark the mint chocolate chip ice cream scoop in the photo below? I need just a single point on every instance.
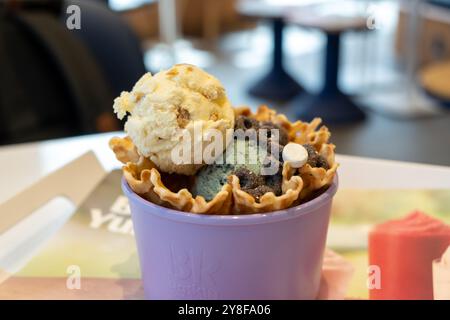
(245, 159)
(211, 178)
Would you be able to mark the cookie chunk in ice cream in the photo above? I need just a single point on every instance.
(162, 108)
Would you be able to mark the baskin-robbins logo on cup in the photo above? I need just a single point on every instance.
(192, 273)
(206, 147)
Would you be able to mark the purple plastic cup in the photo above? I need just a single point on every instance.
(276, 255)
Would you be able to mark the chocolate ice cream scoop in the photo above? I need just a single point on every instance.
(257, 185)
(248, 123)
(282, 133)
(315, 160)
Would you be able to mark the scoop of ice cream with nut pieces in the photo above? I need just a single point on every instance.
(257, 162)
(163, 108)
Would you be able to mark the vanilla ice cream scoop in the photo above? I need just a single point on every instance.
(164, 107)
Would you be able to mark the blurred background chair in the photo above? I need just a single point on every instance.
(112, 43)
(55, 82)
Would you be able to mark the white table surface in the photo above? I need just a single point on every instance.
(21, 165)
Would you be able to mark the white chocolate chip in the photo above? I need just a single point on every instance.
(295, 154)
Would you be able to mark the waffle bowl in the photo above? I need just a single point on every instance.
(172, 191)
(144, 178)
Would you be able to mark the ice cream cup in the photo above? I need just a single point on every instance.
(277, 255)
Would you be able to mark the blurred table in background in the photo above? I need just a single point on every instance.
(331, 104)
(422, 140)
(277, 84)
